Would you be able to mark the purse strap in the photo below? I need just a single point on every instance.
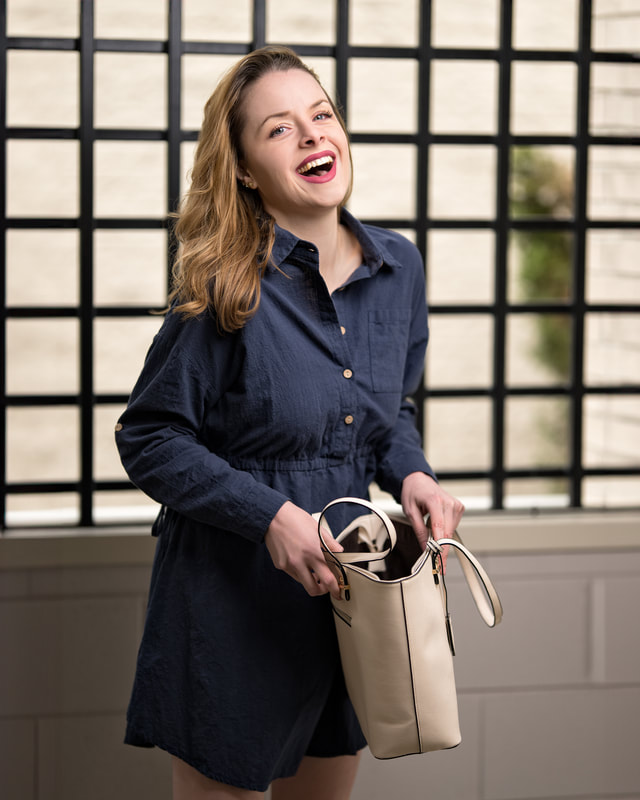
(373, 555)
(482, 590)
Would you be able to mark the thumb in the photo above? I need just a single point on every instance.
(330, 542)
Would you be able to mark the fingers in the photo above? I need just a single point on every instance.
(294, 547)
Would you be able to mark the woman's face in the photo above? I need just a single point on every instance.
(294, 149)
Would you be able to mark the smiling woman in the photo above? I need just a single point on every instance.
(279, 381)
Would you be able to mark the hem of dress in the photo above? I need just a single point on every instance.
(142, 741)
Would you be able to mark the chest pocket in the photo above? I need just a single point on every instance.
(388, 341)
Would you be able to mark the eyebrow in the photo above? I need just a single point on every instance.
(286, 113)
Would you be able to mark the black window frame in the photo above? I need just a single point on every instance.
(174, 47)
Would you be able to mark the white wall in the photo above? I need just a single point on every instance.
(549, 700)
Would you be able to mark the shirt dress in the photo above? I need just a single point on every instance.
(238, 671)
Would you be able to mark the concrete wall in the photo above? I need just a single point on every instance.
(549, 701)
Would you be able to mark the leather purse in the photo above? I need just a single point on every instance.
(394, 630)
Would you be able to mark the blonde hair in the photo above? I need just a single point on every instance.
(225, 236)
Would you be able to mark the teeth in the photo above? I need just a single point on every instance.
(317, 163)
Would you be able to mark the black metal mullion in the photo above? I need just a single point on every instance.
(3, 259)
(579, 251)
(502, 244)
(342, 57)
(86, 261)
(422, 177)
(174, 132)
(259, 32)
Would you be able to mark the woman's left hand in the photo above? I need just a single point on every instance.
(421, 495)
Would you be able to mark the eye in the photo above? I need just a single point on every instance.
(323, 115)
(277, 131)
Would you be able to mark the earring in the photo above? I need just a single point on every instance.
(248, 183)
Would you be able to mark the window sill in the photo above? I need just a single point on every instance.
(498, 532)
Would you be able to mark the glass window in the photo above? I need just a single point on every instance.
(42, 89)
(464, 96)
(462, 182)
(130, 179)
(383, 95)
(458, 23)
(295, 22)
(390, 166)
(130, 90)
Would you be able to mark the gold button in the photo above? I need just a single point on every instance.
(348, 419)
(118, 427)
(347, 373)
(343, 330)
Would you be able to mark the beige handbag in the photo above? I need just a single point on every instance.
(394, 631)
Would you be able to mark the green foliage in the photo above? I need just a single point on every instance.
(541, 186)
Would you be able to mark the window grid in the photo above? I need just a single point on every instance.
(502, 225)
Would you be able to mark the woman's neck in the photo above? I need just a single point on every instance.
(338, 249)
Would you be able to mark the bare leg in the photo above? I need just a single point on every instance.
(319, 779)
(189, 784)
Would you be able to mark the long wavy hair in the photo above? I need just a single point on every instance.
(225, 236)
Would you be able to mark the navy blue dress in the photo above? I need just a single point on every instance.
(238, 671)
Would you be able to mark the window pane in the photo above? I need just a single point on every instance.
(42, 89)
(462, 182)
(384, 181)
(458, 433)
(613, 266)
(122, 19)
(106, 461)
(611, 433)
(545, 24)
(217, 20)
(43, 18)
(541, 182)
(387, 22)
(42, 267)
(130, 90)
(130, 179)
(200, 75)
(130, 268)
(612, 349)
(43, 444)
(41, 508)
(615, 99)
(42, 178)
(538, 349)
(543, 98)
(476, 495)
(536, 432)
(42, 356)
(620, 491)
(464, 97)
(615, 25)
(540, 266)
(460, 266)
(313, 23)
(536, 493)
(383, 95)
(127, 506)
(614, 182)
(460, 351)
(459, 23)
(120, 348)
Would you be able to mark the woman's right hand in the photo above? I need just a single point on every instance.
(293, 544)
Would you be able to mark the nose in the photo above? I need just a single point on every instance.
(309, 135)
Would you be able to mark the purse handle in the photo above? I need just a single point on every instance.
(482, 590)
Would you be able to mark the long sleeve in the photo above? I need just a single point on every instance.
(159, 436)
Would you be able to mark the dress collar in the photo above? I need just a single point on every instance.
(375, 253)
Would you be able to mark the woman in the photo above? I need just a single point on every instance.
(278, 382)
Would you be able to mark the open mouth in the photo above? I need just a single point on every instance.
(317, 167)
